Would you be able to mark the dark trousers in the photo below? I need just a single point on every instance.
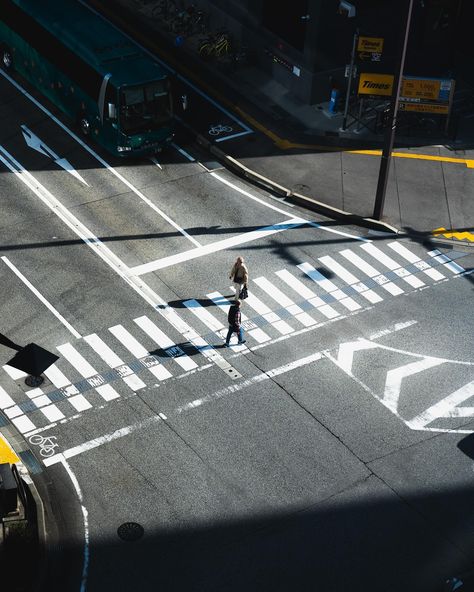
(240, 333)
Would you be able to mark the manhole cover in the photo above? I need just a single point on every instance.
(130, 531)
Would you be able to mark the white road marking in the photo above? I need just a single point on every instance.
(86, 370)
(5, 399)
(43, 403)
(204, 316)
(328, 286)
(271, 317)
(40, 297)
(307, 294)
(216, 246)
(350, 279)
(114, 262)
(164, 342)
(115, 362)
(371, 272)
(448, 407)
(346, 351)
(282, 299)
(446, 261)
(155, 161)
(394, 328)
(183, 152)
(395, 377)
(251, 329)
(426, 268)
(34, 142)
(137, 349)
(389, 263)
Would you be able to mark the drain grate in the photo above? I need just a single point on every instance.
(130, 531)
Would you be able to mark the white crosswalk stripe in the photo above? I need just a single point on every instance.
(423, 266)
(78, 401)
(350, 279)
(205, 317)
(446, 261)
(250, 328)
(115, 362)
(307, 294)
(271, 317)
(165, 343)
(137, 349)
(371, 272)
(329, 287)
(389, 263)
(277, 295)
(106, 391)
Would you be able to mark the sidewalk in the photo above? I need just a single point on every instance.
(300, 151)
(22, 530)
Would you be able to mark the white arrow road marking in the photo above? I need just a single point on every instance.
(34, 142)
(345, 354)
(448, 407)
(393, 383)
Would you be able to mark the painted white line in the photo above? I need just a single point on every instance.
(371, 272)
(114, 362)
(23, 424)
(350, 279)
(155, 161)
(446, 261)
(5, 399)
(87, 371)
(105, 439)
(137, 349)
(109, 258)
(426, 268)
(204, 316)
(216, 246)
(395, 377)
(448, 407)
(78, 401)
(282, 299)
(284, 212)
(165, 343)
(250, 328)
(183, 152)
(234, 136)
(14, 373)
(98, 158)
(307, 294)
(40, 297)
(271, 317)
(392, 329)
(328, 286)
(389, 263)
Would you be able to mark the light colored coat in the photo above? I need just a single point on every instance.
(239, 274)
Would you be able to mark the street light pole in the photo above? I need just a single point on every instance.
(390, 132)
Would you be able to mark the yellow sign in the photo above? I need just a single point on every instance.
(376, 84)
(425, 108)
(428, 90)
(370, 44)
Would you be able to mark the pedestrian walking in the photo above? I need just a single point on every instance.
(234, 318)
(239, 274)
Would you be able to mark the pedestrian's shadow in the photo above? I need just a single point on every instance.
(205, 302)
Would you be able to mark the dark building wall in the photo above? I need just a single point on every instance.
(305, 44)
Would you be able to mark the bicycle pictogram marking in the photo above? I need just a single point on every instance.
(46, 444)
(218, 129)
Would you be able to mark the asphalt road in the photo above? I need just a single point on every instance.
(333, 451)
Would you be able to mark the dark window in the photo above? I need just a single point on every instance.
(287, 20)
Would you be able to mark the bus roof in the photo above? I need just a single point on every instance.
(94, 40)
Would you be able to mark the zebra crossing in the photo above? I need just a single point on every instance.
(121, 360)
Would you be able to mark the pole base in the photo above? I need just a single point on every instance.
(34, 381)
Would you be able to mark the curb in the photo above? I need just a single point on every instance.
(20, 446)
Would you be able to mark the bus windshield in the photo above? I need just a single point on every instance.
(145, 107)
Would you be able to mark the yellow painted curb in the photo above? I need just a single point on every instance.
(458, 235)
(468, 162)
(6, 452)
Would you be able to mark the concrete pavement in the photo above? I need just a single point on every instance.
(300, 152)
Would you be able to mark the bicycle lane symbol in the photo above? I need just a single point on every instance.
(46, 444)
(217, 130)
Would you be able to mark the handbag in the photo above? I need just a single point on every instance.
(244, 293)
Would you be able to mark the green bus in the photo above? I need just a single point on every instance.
(115, 92)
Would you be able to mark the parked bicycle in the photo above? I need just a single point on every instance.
(215, 46)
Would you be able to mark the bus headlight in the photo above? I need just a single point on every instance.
(123, 148)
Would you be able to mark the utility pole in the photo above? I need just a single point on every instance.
(391, 129)
(349, 80)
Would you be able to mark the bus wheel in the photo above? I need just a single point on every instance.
(7, 58)
(84, 125)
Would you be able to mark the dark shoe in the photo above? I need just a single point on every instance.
(243, 341)
(227, 344)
